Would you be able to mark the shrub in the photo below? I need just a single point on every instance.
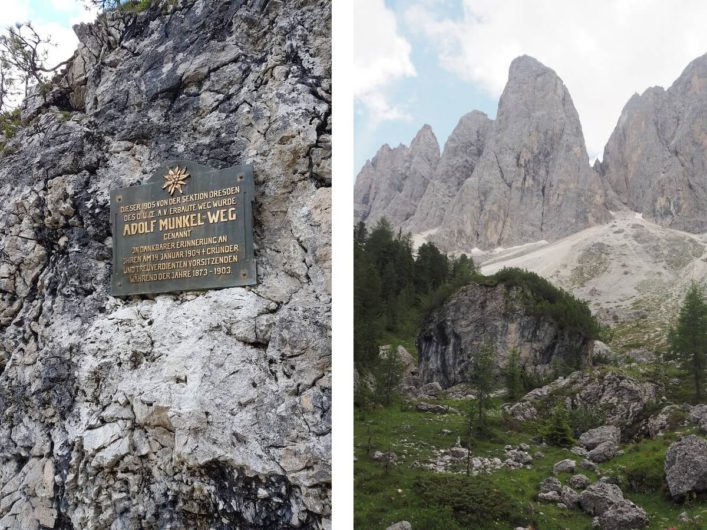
(582, 419)
(558, 431)
(474, 502)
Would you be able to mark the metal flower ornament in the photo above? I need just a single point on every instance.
(175, 179)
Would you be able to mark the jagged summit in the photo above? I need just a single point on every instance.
(655, 160)
(533, 180)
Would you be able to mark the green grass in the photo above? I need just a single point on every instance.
(403, 492)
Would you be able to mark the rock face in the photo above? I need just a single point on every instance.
(461, 154)
(686, 466)
(193, 410)
(479, 314)
(523, 177)
(621, 400)
(533, 180)
(392, 184)
(655, 159)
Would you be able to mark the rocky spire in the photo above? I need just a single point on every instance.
(533, 180)
(392, 184)
(656, 158)
(459, 158)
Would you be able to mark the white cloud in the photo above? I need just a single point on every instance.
(604, 50)
(381, 57)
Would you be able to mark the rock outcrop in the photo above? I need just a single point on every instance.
(686, 466)
(533, 180)
(655, 159)
(620, 399)
(392, 184)
(613, 511)
(523, 177)
(479, 315)
(461, 154)
(192, 410)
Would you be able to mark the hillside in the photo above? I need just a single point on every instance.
(632, 272)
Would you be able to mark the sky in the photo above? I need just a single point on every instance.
(431, 61)
(49, 17)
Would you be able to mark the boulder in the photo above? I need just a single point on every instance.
(549, 496)
(478, 314)
(564, 466)
(579, 481)
(669, 418)
(400, 525)
(599, 497)
(570, 497)
(431, 389)
(459, 452)
(620, 398)
(686, 466)
(594, 437)
(603, 452)
(521, 411)
(698, 416)
(624, 516)
(380, 456)
(550, 484)
(434, 409)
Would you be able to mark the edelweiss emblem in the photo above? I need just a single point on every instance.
(175, 179)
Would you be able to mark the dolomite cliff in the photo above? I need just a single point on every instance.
(192, 410)
(499, 316)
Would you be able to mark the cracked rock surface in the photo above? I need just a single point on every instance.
(188, 410)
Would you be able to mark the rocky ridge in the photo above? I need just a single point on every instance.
(525, 177)
(193, 410)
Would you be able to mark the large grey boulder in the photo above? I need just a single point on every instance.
(185, 410)
(686, 466)
(599, 497)
(655, 159)
(614, 512)
(594, 437)
(498, 315)
(564, 466)
(603, 452)
(400, 525)
(624, 516)
(533, 180)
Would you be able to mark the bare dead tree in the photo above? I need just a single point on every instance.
(23, 55)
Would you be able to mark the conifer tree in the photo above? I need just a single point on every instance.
(514, 375)
(688, 339)
(559, 431)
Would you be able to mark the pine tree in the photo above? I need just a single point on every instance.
(559, 431)
(514, 375)
(481, 377)
(688, 339)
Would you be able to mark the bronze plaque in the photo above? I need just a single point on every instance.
(190, 227)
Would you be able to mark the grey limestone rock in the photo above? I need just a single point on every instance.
(392, 184)
(564, 466)
(533, 180)
(186, 410)
(655, 161)
(594, 437)
(686, 466)
(478, 313)
(621, 399)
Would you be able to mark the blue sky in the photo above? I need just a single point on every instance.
(431, 61)
(433, 96)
